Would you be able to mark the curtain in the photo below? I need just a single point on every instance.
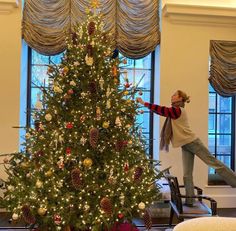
(133, 24)
(223, 67)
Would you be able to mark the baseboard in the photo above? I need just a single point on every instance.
(225, 201)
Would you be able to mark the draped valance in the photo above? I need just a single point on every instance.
(223, 67)
(134, 24)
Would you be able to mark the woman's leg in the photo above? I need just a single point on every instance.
(203, 153)
(188, 162)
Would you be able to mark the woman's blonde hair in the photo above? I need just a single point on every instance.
(185, 97)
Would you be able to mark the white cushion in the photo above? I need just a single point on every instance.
(207, 224)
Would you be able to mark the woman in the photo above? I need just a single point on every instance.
(176, 130)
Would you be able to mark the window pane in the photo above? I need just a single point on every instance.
(223, 144)
(211, 143)
(224, 104)
(39, 76)
(212, 102)
(39, 59)
(224, 123)
(211, 123)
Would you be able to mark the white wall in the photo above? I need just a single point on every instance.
(10, 48)
(184, 59)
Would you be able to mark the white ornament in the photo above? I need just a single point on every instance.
(10, 188)
(83, 140)
(101, 83)
(86, 207)
(89, 60)
(141, 205)
(118, 122)
(108, 104)
(72, 83)
(48, 117)
(15, 216)
(122, 199)
(76, 63)
(108, 92)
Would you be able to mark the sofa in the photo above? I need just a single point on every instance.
(207, 224)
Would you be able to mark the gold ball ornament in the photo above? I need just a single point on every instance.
(39, 184)
(15, 217)
(48, 117)
(141, 205)
(105, 124)
(48, 173)
(87, 162)
(42, 211)
(24, 164)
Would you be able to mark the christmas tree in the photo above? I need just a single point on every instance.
(83, 166)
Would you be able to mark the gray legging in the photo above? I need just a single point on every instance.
(196, 147)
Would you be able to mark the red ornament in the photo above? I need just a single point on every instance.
(69, 125)
(127, 85)
(126, 168)
(70, 92)
(120, 215)
(68, 151)
(57, 219)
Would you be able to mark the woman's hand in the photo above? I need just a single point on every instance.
(140, 100)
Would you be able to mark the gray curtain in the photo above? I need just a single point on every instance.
(223, 67)
(134, 24)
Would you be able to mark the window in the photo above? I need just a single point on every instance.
(221, 135)
(139, 72)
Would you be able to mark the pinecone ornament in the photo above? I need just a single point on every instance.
(138, 173)
(27, 215)
(90, 50)
(91, 28)
(93, 137)
(92, 87)
(147, 220)
(76, 178)
(106, 205)
(120, 145)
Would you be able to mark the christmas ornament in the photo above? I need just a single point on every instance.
(120, 145)
(86, 207)
(140, 92)
(68, 151)
(39, 184)
(124, 61)
(69, 125)
(122, 198)
(57, 89)
(126, 167)
(60, 162)
(74, 38)
(92, 87)
(76, 63)
(125, 92)
(114, 71)
(106, 205)
(42, 211)
(73, 83)
(65, 70)
(48, 117)
(101, 83)
(10, 188)
(138, 173)
(118, 122)
(147, 220)
(98, 113)
(27, 215)
(89, 50)
(82, 118)
(93, 137)
(27, 135)
(141, 205)
(15, 217)
(105, 124)
(88, 60)
(108, 104)
(57, 219)
(48, 173)
(83, 140)
(70, 92)
(120, 215)
(50, 69)
(76, 178)
(87, 162)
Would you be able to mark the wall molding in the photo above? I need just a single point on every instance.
(196, 14)
(7, 6)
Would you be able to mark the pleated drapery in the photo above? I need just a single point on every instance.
(223, 67)
(133, 24)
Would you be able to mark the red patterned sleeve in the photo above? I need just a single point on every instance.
(172, 112)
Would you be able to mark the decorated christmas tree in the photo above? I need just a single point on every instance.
(83, 166)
